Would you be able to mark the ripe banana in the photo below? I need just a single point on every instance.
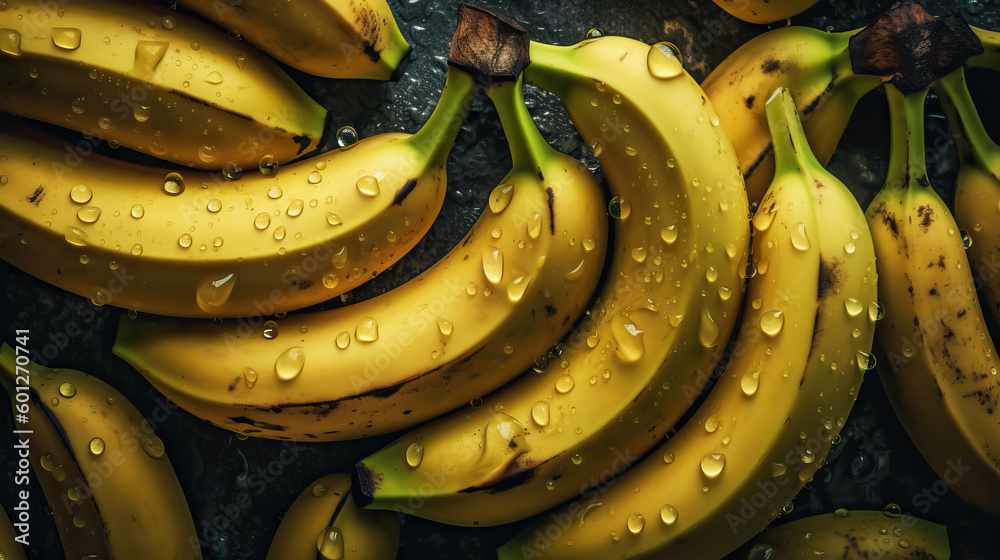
(154, 80)
(940, 371)
(66, 489)
(653, 335)
(852, 534)
(143, 511)
(10, 549)
(990, 57)
(769, 421)
(764, 11)
(324, 519)
(814, 66)
(329, 38)
(476, 319)
(977, 192)
(191, 245)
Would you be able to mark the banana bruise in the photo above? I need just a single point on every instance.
(194, 244)
(814, 65)
(323, 522)
(653, 336)
(764, 11)
(769, 421)
(940, 366)
(470, 323)
(66, 489)
(328, 38)
(866, 534)
(153, 80)
(142, 507)
(10, 547)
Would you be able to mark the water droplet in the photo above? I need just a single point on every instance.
(535, 226)
(206, 153)
(270, 330)
(762, 219)
(414, 454)
(249, 377)
(853, 306)
(346, 136)
(79, 521)
(314, 177)
(866, 360)
(262, 221)
(750, 382)
(80, 193)
(368, 185)
(289, 364)
(712, 424)
(669, 234)
(849, 247)
(330, 543)
(639, 254)
(711, 274)
(668, 514)
(876, 311)
(173, 183)
(628, 338)
(331, 279)
(268, 165)
(343, 340)
(65, 37)
(712, 464)
(565, 384)
(137, 211)
(333, 219)
(214, 77)
(540, 413)
(231, 170)
(153, 447)
(787, 508)
(97, 446)
(709, 330)
(136, 249)
(295, 207)
(366, 330)
(760, 552)
(892, 510)
(10, 42)
(663, 61)
(517, 287)
(500, 198)
(595, 32)
(799, 238)
(67, 390)
(88, 214)
(141, 113)
(445, 326)
(212, 295)
(771, 322)
(966, 238)
(619, 208)
(493, 264)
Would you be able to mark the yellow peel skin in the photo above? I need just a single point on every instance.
(194, 244)
(656, 330)
(323, 522)
(769, 421)
(10, 549)
(153, 80)
(328, 38)
(141, 503)
(469, 324)
(764, 11)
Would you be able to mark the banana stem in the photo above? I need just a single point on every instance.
(523, 137)
(955, 91)
(907, 161)
(438, 134)
(791, 148)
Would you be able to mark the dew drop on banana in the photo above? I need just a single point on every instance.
(712, 464)
(153, 446)
(414, 454)
(173, 183)
(565, 384)
(231, 170)
(368, 185)
(849, 247)
(635, 523)
(517, 287)
(262, 220)
(314, 177)
(270, 330)
(80, 193)
(295, 207)
(136, 249)
(88, 214)
(366, 330)
(762, 219)
(540, 413)
(343, 340)
(866, 360)
(663, 61)
(709, 330)
(249, 377)
(853, 306)
(493, 264)
(535, 226)
(330, 543)
(892, 510)
(750, 382)
(67, 390)
(771, 322)
(211, 295)
(876, 311)
(346, 136)
(339, 258)
(619, 208)
(628, 338)
(290, 363)
(501, 197)
(668, 514)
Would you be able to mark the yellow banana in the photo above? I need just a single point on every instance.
(474, 320)
(324, 520)
(815, 66)
(329, 38)
(143, 511)
(852, 534)
(154, 80)
(66, 489)
(977, 189)
(764, 11)
(769, 421)
(10, 547)
(193, 245)
(653, 335)
(940, 371)
(990, 57)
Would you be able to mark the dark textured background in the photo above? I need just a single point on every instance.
(874, 465)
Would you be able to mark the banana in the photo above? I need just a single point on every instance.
(324, 519)
(329, 38)
(990, 57)
(653, 335)
(193, 245)
(815, 66)
(10, 547)
(769, 421)
(940, 371)
(977, 189)
(764, 11)
(154, 80)
(142, 508)
(66, 489)
(852, 534)
(474, 320)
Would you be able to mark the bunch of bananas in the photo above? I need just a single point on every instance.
(655, 366)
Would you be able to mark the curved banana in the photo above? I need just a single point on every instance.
(66, 489)
(653, 335)
(940, 371)
(193, 245)
(10, 548)
(324, 520)
(764, 11)
(990, 57)
(977, 189)
(852, 534)
(154, 80)
(471, 322)
(815, 66)
(329, 38)
(768, 423)
(143, 511)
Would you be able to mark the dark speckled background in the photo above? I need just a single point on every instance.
(874, 465)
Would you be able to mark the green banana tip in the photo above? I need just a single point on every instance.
(491, 47)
